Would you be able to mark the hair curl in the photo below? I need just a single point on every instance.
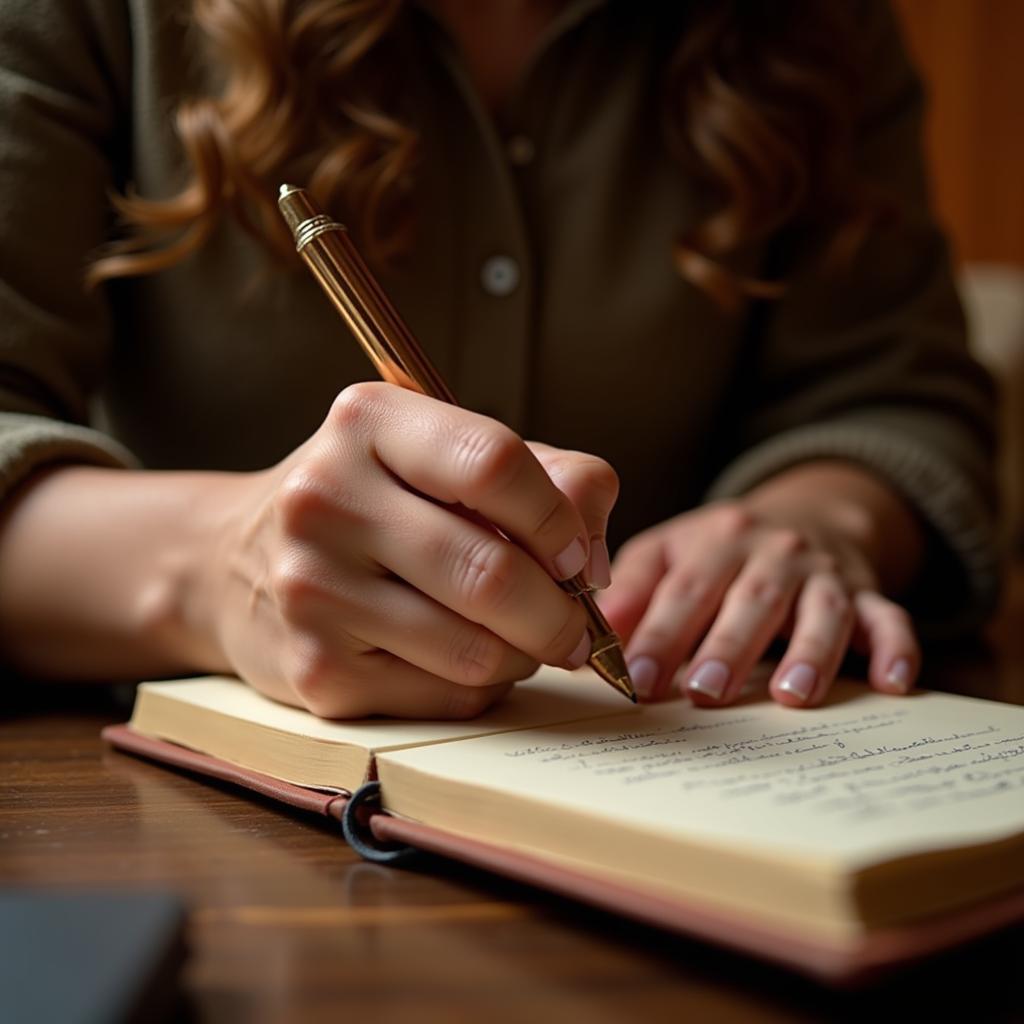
(759, 102)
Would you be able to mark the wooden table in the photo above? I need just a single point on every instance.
(287, 924)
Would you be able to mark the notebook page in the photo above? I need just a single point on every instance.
(549, 697)
(865, 778)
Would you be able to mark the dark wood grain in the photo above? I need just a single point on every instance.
(286, 924)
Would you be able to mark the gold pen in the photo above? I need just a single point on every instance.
(327, 250)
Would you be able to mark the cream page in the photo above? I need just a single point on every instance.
(551, 695)
(866, 777)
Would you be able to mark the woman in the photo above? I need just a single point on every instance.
(690, 239)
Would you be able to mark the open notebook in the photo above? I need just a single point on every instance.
(839, 840)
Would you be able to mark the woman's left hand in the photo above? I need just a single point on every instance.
(805, 556)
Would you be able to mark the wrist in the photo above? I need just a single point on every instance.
(179, 606)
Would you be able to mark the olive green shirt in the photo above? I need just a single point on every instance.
(541, 284)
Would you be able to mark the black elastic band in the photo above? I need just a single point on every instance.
(355, 825)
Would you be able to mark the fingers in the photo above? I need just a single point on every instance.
(471, 609)
(376, 646)
(377, 683)
(825, 619)
(754, 609)
(592, 486)
(821, 634)
(895, 655)
(393, 617)
(481, 577)
(680, 610)
(459, 457)
(639, 568)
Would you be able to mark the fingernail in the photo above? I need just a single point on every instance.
(710, 679)
(799, 681)
(599, 569)
(581, 653)
(644, 673)
(571, 560)
(898, 676)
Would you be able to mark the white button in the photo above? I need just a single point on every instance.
(520, 150)
(499, 275)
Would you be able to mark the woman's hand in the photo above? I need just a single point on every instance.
(805, 556)
(351, 579)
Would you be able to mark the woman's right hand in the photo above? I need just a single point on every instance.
(351, 580)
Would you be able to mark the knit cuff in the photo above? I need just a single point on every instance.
(28, 443)
(940, 492)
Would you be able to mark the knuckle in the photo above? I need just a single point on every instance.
(356, 405)
(302, 500)
(598, 477)
(293, 589)
(561, 643)
(485, 574)
(789, 541)
(731, 520)
(763, 592)
(489, 456)
(688, 587)
(475, 656)
(834, 597)
(550, 519)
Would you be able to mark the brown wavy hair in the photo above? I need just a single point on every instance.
(759, 103)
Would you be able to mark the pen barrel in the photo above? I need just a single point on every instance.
(334, 261)
(327, 250)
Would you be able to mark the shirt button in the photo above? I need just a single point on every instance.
(499, 275)
(520, 150)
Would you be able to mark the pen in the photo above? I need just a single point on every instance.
(328, 251)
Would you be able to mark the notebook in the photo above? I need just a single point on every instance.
(839, 841)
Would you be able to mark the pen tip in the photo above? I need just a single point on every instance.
(287, 190)
(607, 660)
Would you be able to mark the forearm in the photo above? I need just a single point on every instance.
(841, 496)
(100, 572)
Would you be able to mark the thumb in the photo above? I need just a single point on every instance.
(592, 486)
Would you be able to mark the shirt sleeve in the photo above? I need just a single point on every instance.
(63, 79)
(871, 364)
